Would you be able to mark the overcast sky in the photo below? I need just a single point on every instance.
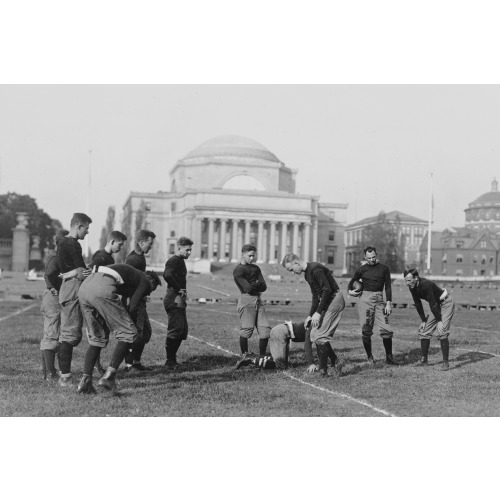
(371, 146)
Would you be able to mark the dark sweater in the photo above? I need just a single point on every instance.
(323, 286)
(135, 260)
(175, 273)
(374, 279)
(136, 286)
(52, 271)
(69, 254)
(102, 258)
(429, 291)
(249, 279)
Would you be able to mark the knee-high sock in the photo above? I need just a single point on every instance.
(263, 346)
(50, 359)
(331, 353)
(388, 347)
(119, 354)
(172, 346)
(445, 348)
(243, 345)
(137, 351)
(91, 357)
(367, 344)
(424, 346)
(65, 357)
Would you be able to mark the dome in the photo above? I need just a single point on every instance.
(490, 198)
(232, 146)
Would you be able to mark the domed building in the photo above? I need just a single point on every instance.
(484, 213)
(229, 191)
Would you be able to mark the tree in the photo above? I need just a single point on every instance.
(108, 227)
(384, 236)
(39, 222)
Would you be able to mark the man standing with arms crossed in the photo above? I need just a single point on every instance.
(326, 309)
(442, 308)
(74, 271)
(175, 275)
(51, 309)
(137, 259)
(249, 280)
(372, 309)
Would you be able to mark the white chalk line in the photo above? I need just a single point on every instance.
(18, 312)
(334, 393)
(214, 290)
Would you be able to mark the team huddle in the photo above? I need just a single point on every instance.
(107, 298)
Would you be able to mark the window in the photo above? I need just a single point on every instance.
(474, 259)
(460, 257)
(171, 248)
(445, 258)
(147, 225)
(492, 260)
(331, 236)
(483, 244)
(330, 256)
(173, 206)
(147, 206)
(483, 259)
(460, 244)
(172, 234)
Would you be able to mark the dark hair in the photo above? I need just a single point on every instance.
(248, 248)
(61, 235)
(184, 241)
(289, 257)
(116, 236)
(369, 248)
(411, 271)
(144, 235)
(154, 276)
(79, 218)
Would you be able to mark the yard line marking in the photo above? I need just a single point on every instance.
(334, 393)
(18, 312)
(214, 290)
(474, 329)
(341, 395)
(458, 349)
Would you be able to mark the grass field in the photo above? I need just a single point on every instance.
(208, 385)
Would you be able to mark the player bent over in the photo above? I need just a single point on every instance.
(251, 284)
(175, 275)
(372, 309)
(326, 308)
(442, 308)
(51, 310)
(104, 314)
(279, 345)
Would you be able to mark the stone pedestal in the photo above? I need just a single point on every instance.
(20, 244)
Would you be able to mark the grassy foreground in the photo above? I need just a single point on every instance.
(208, 385)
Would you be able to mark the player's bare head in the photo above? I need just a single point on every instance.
(61, 234)
(248, 253)
(370, 255)
(370, 249)
(145, 240)
(153, 279)
(79, 219)
(411, 277)
(291, 262)
(184, 247)
(116, 236)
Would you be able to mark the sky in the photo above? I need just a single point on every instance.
(373, 147)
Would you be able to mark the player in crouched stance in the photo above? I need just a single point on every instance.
(104, 313)
(326, 308)
(442, 308)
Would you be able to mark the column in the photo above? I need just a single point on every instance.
(222, 241)
(210, 248)
(295, 241)
(306, 241)
(248, 225)
(314, 257)
(196, 238)
(272, 242)
(260, 239)
(284, 227)
(234, 241)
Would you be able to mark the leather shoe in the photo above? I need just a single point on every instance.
(85, 386)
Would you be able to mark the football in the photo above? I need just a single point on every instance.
(357, 286)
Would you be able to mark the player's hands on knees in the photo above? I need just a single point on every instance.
(421, 328)
(354, 293)
(54, 292)
(312, 368)
(315, 320)
(307, 322)
(440, 327)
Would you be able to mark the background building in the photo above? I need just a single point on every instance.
(229, 191)
(472, 250)
(410, 234)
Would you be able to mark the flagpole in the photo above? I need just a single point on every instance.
(86, 241)
(429, 231)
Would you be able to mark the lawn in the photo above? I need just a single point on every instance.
(208, 385)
